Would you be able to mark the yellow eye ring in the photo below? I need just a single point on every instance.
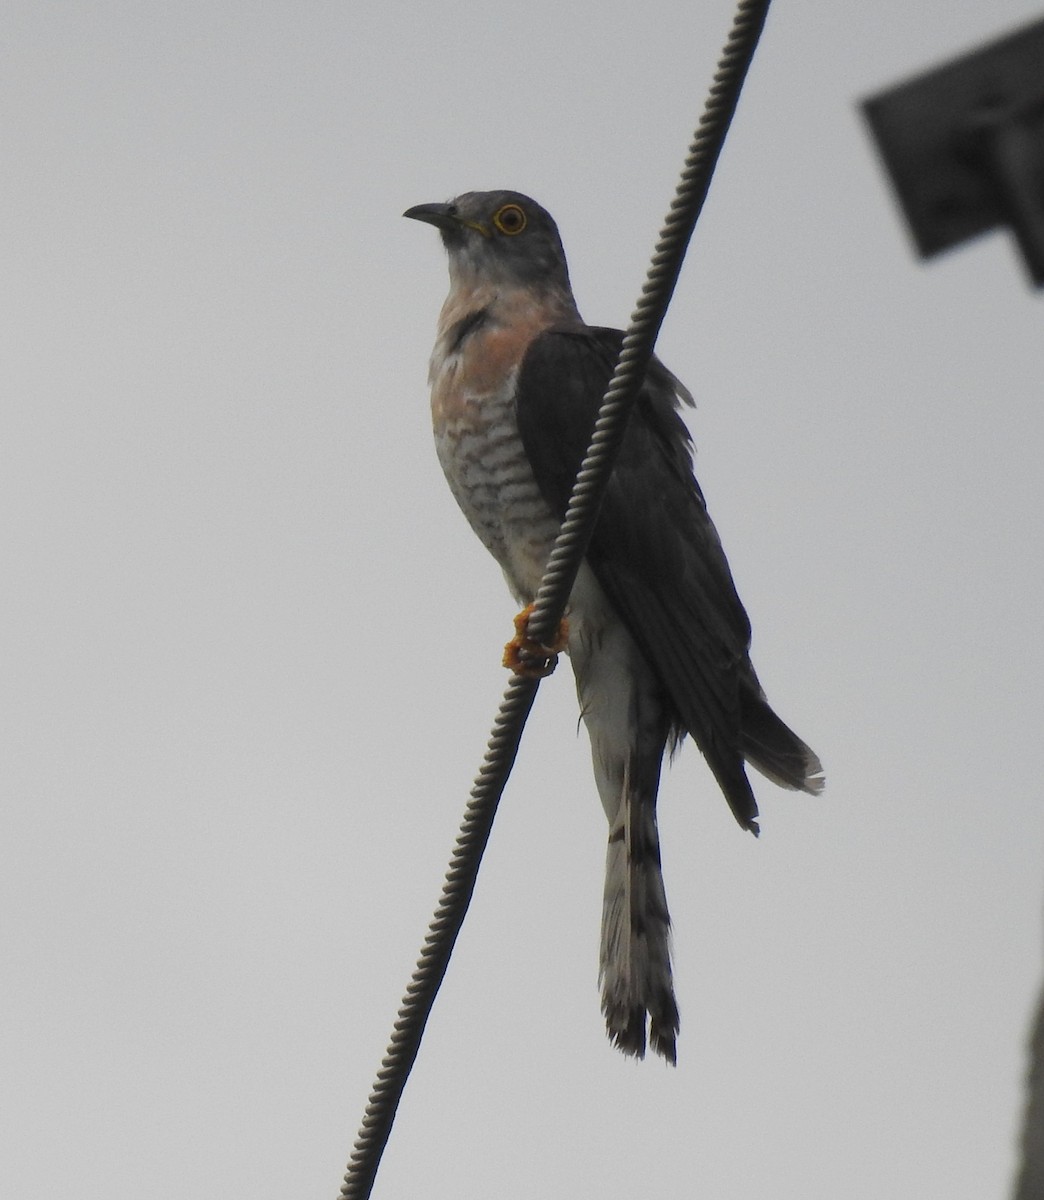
(510, 219)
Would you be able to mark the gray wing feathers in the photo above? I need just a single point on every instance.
(658, 557)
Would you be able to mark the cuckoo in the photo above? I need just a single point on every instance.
(656, 633)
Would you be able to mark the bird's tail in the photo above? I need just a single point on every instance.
(775, 749)
(635, 969)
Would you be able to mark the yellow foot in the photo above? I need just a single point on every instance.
(533, 659)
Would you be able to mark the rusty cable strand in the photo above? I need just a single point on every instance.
(553, 595)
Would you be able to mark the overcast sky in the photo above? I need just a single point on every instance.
(250, 649)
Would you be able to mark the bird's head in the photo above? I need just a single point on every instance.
(502, 238)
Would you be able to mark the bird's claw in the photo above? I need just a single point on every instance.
(533, 659)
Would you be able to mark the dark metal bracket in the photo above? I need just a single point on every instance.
(964, 145)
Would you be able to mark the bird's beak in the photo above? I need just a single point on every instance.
(439, 215)
(444, 217)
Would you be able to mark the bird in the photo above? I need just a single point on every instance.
(656, 634)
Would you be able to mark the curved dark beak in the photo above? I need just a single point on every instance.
(441, 216)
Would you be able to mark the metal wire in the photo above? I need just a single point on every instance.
(553, 595)
(442, 935)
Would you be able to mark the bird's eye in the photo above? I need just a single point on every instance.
(510, 219)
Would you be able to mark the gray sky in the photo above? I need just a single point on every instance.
(250, 648)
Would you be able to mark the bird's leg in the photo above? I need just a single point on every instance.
(533, 659)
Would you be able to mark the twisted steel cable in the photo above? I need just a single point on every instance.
(553, 595)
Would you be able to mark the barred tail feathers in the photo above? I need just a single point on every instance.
(622, 706)
(635, 966)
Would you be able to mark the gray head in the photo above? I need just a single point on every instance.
(499, 237)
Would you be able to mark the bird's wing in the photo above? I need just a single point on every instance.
(654, 550)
